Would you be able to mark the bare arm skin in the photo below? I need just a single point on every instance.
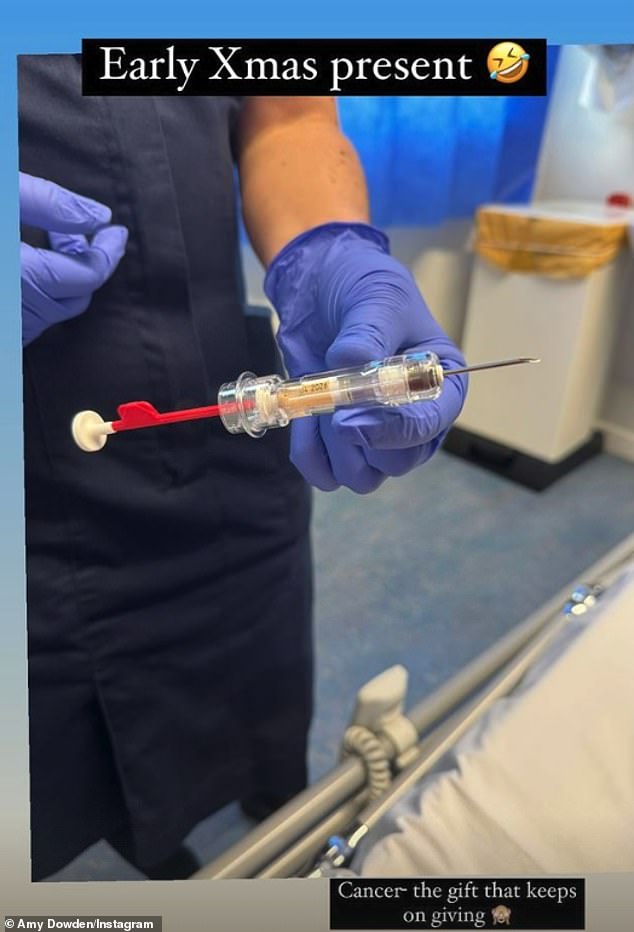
(297, 170)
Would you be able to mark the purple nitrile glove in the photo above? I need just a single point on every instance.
(344, 301)
(58, 283)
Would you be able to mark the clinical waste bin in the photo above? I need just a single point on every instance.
(547, 281)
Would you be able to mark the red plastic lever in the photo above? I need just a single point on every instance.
(137, 414)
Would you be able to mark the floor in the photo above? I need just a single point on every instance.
(427, 572)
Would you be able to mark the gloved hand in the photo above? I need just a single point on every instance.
(343, 301)
(59, 283)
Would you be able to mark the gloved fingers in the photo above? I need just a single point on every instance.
(106, 251)
(388, 315)
(299, 355)
(400, 462)
(348, 462)
(72, 276)
(41, 311)
(405, 426)
(377, 332)
(368, 333)
(309, 455)
(71, 244)
(77, 306)
(326, 462)
(48, 206)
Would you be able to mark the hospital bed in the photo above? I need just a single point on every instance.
(523, 763)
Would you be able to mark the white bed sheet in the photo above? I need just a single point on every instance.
(545, 782)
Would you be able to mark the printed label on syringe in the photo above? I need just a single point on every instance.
(313, 387)
(309, 396)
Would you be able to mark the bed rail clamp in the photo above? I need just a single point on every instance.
(379, 709)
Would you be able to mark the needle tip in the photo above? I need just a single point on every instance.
(516, 361)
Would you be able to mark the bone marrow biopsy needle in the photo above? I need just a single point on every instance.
(252, 404)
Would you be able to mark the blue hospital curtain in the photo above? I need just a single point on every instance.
(431, 159)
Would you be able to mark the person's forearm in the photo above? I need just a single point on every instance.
(297, 170)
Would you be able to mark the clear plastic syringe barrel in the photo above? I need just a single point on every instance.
(252, 404)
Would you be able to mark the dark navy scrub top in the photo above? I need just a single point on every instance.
(168, 586)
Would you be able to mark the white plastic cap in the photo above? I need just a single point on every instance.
(90, 431)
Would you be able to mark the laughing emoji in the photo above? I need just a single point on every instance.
(507, 62)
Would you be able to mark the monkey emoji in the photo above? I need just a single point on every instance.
(501, 915)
